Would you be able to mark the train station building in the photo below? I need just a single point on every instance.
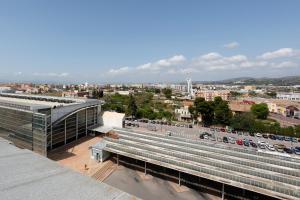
(41, 123)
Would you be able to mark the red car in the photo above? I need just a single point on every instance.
(239, 142)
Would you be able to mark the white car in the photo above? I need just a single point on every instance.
(270, 147)
(258, 135)
(261, 144)
(205, 137)
(232, 140)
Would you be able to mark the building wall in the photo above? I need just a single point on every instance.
(209, 95)
(73, 127)
(289, 96)
(183, 113)
(24, 128)
(113, 119)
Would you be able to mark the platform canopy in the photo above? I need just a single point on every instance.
(102, 129)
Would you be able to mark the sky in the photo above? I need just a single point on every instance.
(118, 41)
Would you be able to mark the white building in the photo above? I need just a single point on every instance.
(113, 119)
(289, 96)
(183, 114)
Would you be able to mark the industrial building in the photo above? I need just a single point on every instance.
(41, 123)
(236, 173)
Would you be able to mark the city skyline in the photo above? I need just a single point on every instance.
(155, 41)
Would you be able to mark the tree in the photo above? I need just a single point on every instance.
(206, 110)
(96, 94)
(193, 111)
(156, 90)
(234, 94)
(271, 94)
(222, 112)
(288, 131)
(260, 111)
(244, 121)
(167, 92)
(297, 131)
(132, 107)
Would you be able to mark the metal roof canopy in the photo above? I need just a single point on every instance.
(102, 129)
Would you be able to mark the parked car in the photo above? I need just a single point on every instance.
(261, 144)
(294, 139)
(272, 137)
(265, 135)
(270, 147)
(279, 147)
(288, 150)
(219, 139)
(279, 137)
(246, 142)
(251, 134)
(239, 141)
(258, 135)
(296, 150)
(246, 134)
(225, 139)
(253, 144)
(190, 126)
(231, 140)
(287, 138)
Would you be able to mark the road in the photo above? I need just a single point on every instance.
(284, 121)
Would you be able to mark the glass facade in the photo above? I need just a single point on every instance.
(73, 127)
(34, 130)
(25, 129)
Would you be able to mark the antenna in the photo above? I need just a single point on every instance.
(190, 90)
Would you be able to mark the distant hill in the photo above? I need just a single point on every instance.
(282, 81)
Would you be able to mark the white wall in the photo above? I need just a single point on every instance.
(113, 119)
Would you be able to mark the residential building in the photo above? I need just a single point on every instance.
(183, 114)
(209, 95)
(240, 106)
(289, 96)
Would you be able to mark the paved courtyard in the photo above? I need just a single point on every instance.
(76, 155)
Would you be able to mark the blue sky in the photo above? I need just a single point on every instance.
(148, 41)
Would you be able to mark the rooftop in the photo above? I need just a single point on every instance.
(33, 102)
(28, 176)
(268, 174)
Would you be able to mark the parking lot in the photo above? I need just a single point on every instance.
(217, 137)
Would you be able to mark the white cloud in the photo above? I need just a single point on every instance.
(183, 71)
(155, 66)
(286, 64)
(51, 74)
(18, 73)
(211, 56)
(211, 62)
(163, 63)
(119, 70)
(280, 53)
(214, 61)
(231, 45)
